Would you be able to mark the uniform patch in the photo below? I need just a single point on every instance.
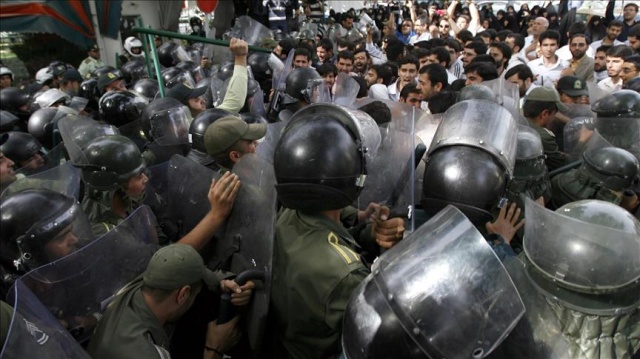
(347, 254)
(86, 61)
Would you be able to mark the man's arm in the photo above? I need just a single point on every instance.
(236, 94)
(451, 16)
(608, 15)
(475, 17)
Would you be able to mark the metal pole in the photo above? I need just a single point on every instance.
(146, 40)
(156, 63)
(175, 35)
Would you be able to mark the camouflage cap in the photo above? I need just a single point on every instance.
(175, 266)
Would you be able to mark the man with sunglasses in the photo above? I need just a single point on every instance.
(88, 65)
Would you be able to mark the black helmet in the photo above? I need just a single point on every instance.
(8, 121)
(166, 119)
(178, 76)
(121, 107)
(613, 168)
(41, 125)
(633, 84)
(259, 66)
(20, 146)
(195, 21)
(250, 118)
(89, 90)
(30, 219)
(133, 71)
(297, 82)
(11, 99)
(166, 54)
(104, 70)
(623, 103)
(187, 65)
(471, 179)
(200, 124)
(226, 71)
(110, 162)
(312, 173)
(146, 88)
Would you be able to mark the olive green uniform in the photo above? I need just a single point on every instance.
(315, 270)
(88, 66)
(554, 157)
(6, 314)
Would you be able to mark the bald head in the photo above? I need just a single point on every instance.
(540, 24)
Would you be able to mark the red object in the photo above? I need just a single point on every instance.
(207, 6)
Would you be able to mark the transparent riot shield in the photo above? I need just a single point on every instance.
(595, 92)
(51, 159)
(506, 93)
(279, 81)
(133, 131)
(35, 332)
(622, 132)
(267, 146)
(64, 179)
(595, 142)
(251, 31)
(249, 237)
(441, 293)
(574, 253)
(77, 288)
(187, 189)
(481, 124)
(391, 174)
(319, 91)
(77, 131)
(573, 131)
(256, 106)
(345, 90)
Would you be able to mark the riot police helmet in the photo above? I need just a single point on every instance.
(147, 88)
(623, 103)
(200, 124)
(297, 84)
(613, 168)
(11, 99)
(8, 121)
(133, 71)
(110, 161)
(119, 108)
(20, 147)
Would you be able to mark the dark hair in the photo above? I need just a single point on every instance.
(378, 110)
(486, 58)
(435, 42)
(549, 34)
(533, 109)
(347, 15)
(395, 48)
(615, 23)
(504, 48)
(635, 60)
(485, 70)
(484, 34)
(478, 46)
(523, 72)
(407, 89)
(441, 101)
(364, 89)
(324, 69)
(464, 36)
(634, 30)
(346, 43)
(326, 44)
(345, 55)
(631, 4)
(437, 74)
(577, 27)
(454, 44)
(518, 40)
(409, 60)
(287, 45)
(302, 51)
(622, 51)
(603, 48)
(419, 52)
(384, 72)
(573, 36)
(443, 55)
(361, 49)
(502, 34)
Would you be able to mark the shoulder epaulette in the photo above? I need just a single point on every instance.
(346, 253)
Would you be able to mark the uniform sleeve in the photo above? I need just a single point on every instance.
(337, 302)
(555, 158)
(237, 90)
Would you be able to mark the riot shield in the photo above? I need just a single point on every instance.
(35, 332)
(595, 92)
(576, 128)
(279, 81)
(441, 293)
(134, 132)
(52, 158)
(187, 189)
(77, 288)
(249, 237)
(77, 131)
(63, 179)
(595, 142)
(391, 174)
(345, 90)
(506, 93)
(481, 124)
(251, 31)
(256, 106)
(622, 132)
(577, 254)
(319, 91)
(267, 146)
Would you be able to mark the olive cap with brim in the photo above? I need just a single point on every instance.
(174, 266)
(572, 86)
(183, 93)
(107, 79)
(546, 94)
(226, 131)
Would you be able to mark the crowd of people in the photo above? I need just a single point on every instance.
(409, 179)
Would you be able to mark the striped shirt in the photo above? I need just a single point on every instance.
(315, 10)
(277, 9)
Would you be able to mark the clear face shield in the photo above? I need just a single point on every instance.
(171, 127)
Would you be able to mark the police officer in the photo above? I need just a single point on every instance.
(91, 63)
(297, 93)
(316, 264)
(7, 176)
(6, 77)
(197, 129)
(24, 150)
(38, 226)
(229, 138)
(618, 119)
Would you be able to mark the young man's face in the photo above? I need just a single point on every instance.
(613, 32)
(136, 185)
(407, 72)
(345, 65)
(419, 27)
(33, 163)
(462, 23)
(412, 99)
(371, 77)
(425, 60)
(472, 78)
(444, 28)
(427, 88)
(94, 54)
(406, 28)
(468, 55)
(497, 56)
(629, 71)
(300, 61)
(347, 23)
(322, 54)
(629, 12)
(453, 53)
(600, 61)
(5, 81)
(431, 59)
(614, 66)
(511, 42)
(6, 170)
(523, 86)
(197, 104)
(61, 245)
(329, 79)
(360, 61)
(578, 47)
(548, 48)
(634, 42)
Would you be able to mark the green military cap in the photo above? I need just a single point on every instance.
(175, 266)
(546, 94)
(226, 131)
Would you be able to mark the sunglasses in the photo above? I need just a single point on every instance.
(444, 26)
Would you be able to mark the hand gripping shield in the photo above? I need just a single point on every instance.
(480, 124)
(440, 293)
(78, 287)
(249, 237)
